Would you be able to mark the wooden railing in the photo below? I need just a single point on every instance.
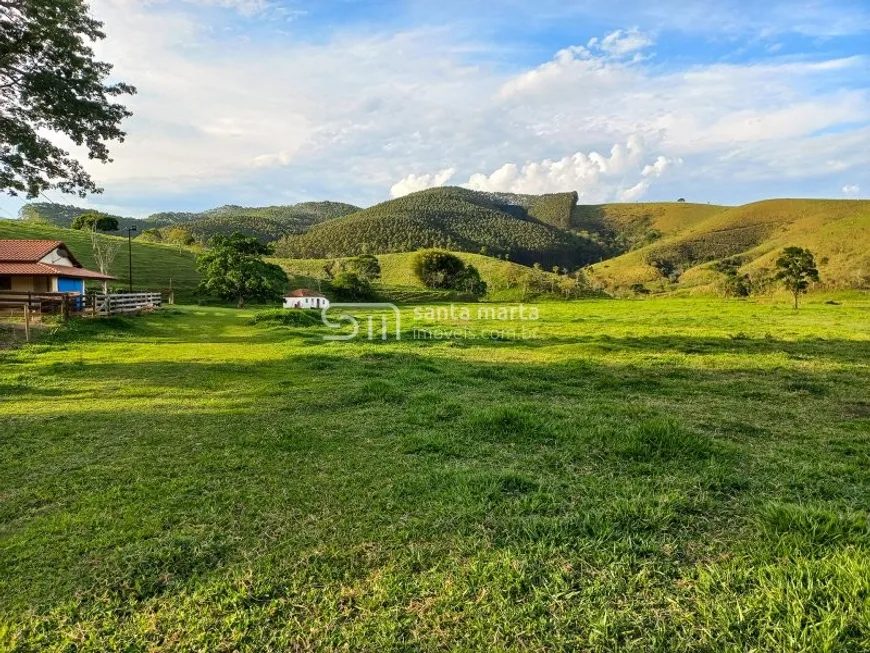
(70, 303)
(126, 302)
(41, 302)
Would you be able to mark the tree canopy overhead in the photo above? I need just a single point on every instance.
(50, 80)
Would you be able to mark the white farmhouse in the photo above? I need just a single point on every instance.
(304, 298)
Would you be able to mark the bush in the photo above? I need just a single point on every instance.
(446, 271)
(350, 285)
(437, 269)
(288, 317)
(366, 266)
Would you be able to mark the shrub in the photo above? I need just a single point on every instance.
(284, 317)
(350, 285)
(437, 269)
(446, 271)
(366, 266)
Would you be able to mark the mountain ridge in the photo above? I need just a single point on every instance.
(663, 246)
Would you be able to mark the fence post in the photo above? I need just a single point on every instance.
(27, 321)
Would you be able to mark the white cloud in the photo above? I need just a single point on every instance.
(594, 176)
(622, 42)
(635, 192)
(851, 189)
(413, 183)
(276, 118)
(660, 166)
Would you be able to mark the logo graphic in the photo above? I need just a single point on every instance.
(345, 319)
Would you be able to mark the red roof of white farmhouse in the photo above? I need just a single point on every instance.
(26, 251)
(46, 270)
(303, 292)
(21, 258)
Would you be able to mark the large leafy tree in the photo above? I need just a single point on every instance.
(437, 269)
(365, 266)
(51, 82)
(796, 267)
(95, 221)
(234, 270)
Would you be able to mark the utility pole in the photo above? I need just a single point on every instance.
(130, 254)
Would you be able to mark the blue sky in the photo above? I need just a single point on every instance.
(260, 102)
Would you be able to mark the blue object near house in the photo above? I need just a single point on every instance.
(65, 284)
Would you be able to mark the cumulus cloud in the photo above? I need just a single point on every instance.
(851, 189)
(595, 177)
(413, 183)
(581, 172)
(621, 42)
(278, 118)
(661, 165)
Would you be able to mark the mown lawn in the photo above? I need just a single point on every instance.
(641, 475)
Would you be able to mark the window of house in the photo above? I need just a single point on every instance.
(5, 283)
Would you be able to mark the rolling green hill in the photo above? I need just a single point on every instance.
(456, 219)
(837, 232)
(667, 247)
(62, 215)
(506, 281)
(621, 228)
(266, 223)
(396, 268)
(155, 267)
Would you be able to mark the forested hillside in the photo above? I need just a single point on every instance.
(62, 215)
(455, 219)
(266, 223)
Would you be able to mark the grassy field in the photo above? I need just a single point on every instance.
(155, 266)
(663, 475)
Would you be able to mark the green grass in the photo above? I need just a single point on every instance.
(155, 266)
(665, 475)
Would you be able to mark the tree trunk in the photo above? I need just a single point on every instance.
(241, 303)
(796, 295)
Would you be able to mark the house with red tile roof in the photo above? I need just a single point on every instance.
(304, 298)
(42, 266)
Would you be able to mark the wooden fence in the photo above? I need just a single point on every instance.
(14, 303)
(126, 302)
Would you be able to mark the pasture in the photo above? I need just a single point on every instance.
(670, 475)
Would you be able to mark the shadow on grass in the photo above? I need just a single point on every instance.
(361, 446)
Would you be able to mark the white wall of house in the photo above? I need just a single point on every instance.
(306, 302)
(56, 257)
